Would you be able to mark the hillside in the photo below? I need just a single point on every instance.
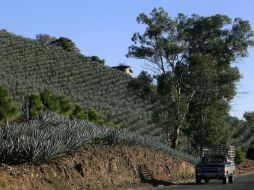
(26, 67)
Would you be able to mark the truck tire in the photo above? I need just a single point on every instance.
(206, 180)
(232, 179)
(225, 180)
(198, 180)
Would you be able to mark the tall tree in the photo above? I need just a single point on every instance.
(192, 57)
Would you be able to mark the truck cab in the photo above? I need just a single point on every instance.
(216, 163)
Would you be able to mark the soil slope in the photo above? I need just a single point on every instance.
(98, 167)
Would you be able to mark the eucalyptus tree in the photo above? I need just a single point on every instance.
(192, 58)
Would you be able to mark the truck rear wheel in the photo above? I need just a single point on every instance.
(232, 179)
(225, 180)
(198, 180)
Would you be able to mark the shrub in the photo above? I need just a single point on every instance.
(239, 156)
(95, 116)
(36, 106)
(62, 104)
(8, 108)
(79, 112)
(46, 97)
(58, 103)
(65, 105)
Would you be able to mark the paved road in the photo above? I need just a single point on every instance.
(245, 182)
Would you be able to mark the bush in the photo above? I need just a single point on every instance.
(79, 112)
(8, 108)
(57, 103)
(239, 156)
(65, 105)
(95, 116)
(36, 106)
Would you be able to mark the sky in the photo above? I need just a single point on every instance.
(105, 27)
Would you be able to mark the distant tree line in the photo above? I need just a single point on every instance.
(66, 43)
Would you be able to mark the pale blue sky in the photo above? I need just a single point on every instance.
(104, 28)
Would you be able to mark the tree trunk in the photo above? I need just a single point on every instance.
(175, 139)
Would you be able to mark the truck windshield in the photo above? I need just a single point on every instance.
(213, 159)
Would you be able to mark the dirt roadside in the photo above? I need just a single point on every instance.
(104, 167)
(99, 167)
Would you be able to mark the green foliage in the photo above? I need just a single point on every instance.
(58, 103)
(249, 117)
(95, 116)
(143, 85)
(65, 43)
(192, 58)
(79, 112)
(36, 106)
(63, 105)
(8, 108)
(239, 156)
(51, 101)
(66, 106)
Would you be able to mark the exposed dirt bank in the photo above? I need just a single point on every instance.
(98, 167)
(246, 167)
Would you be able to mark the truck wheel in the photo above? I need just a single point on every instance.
(232, 179)
(206, 180)
(225, 180)
(198, 180)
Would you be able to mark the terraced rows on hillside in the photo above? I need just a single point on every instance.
(26, 67)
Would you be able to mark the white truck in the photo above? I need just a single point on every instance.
(217, 162)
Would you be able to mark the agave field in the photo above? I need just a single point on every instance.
(53, 135)
(27, 66)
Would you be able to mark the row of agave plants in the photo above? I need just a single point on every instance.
(53, 135)
(53, 68)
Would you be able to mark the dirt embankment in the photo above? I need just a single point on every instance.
(98, 167)
(246, 167)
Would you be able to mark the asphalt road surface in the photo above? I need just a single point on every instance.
(245, 182)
